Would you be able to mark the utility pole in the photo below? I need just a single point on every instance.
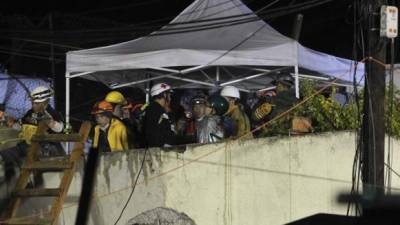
(373, 135)
(52, 64)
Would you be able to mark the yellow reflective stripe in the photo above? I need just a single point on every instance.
(144, 106)
(27, 132)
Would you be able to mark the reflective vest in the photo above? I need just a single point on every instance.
(30, 122)
(241, 121)
(27, 131)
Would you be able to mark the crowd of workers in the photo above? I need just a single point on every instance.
(121, 125)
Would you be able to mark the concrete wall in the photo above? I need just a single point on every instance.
(261, 181)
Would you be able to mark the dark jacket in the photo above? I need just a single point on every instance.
(34, 118)
(31, 120)
(29, 125)
(282, 102)
(158, 128)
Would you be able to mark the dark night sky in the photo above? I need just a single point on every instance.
(324, 27)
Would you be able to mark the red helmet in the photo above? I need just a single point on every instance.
(101, 107)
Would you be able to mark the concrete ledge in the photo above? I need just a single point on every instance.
(262, 181)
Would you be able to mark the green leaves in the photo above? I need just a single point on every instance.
(392, 120)
(327, 114)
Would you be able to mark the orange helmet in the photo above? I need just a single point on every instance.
(101, 107)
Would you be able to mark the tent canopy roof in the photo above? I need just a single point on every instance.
(207, 33)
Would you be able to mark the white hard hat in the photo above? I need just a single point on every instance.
(230, 91)
(41, 94)
(159, 88)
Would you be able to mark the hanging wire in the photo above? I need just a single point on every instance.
(358, 45)
(133, 187)
(216, 22)
(390, 117)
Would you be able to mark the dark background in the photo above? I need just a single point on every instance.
(27, 30)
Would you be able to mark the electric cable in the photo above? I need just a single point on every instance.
(186, 29)
(356, 170)
(73, 47)
(133, 188)
(28, 51)
(390, 117)
(31, 56)
(43, 42)
(119, 7)
(247, 17)
(137, 27)
(393, 171)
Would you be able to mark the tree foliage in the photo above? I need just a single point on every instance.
(327, 114)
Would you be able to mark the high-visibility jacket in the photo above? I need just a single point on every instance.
(159, 130)
(241, 121)
(31, 120)
(116, 135)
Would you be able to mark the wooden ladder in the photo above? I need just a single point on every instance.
(31, 164)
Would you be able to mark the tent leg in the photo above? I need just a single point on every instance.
(147, 89)
(67, 107)
(217, 75)
(296, 77)
(67, 100)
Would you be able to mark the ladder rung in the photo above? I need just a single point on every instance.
(56, 137)
(48, 165)
(39, 192)
(28, 221)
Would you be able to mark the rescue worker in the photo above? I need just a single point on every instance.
(159, 129)
(3, 121)
(118, 101)
(42, 111)
(260, 111)
(110, 134)
(285, 95)
(208, 123)
(131, 118)
(275, 106)
(122, 111)
(186, 123)
(241, 122)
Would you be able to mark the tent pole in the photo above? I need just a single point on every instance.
(245, 78)
(192, 81)
(296, 77)
(183, 79)
(67, 97)
(141, 81)
(207, 76)
(67, 107)
(217, 76)
(80, 74)
(267, 89)
(147, 94)
(147, 90)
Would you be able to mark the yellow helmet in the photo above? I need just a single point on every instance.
(115, 97)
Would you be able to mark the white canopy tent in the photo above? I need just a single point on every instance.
(212, 43)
